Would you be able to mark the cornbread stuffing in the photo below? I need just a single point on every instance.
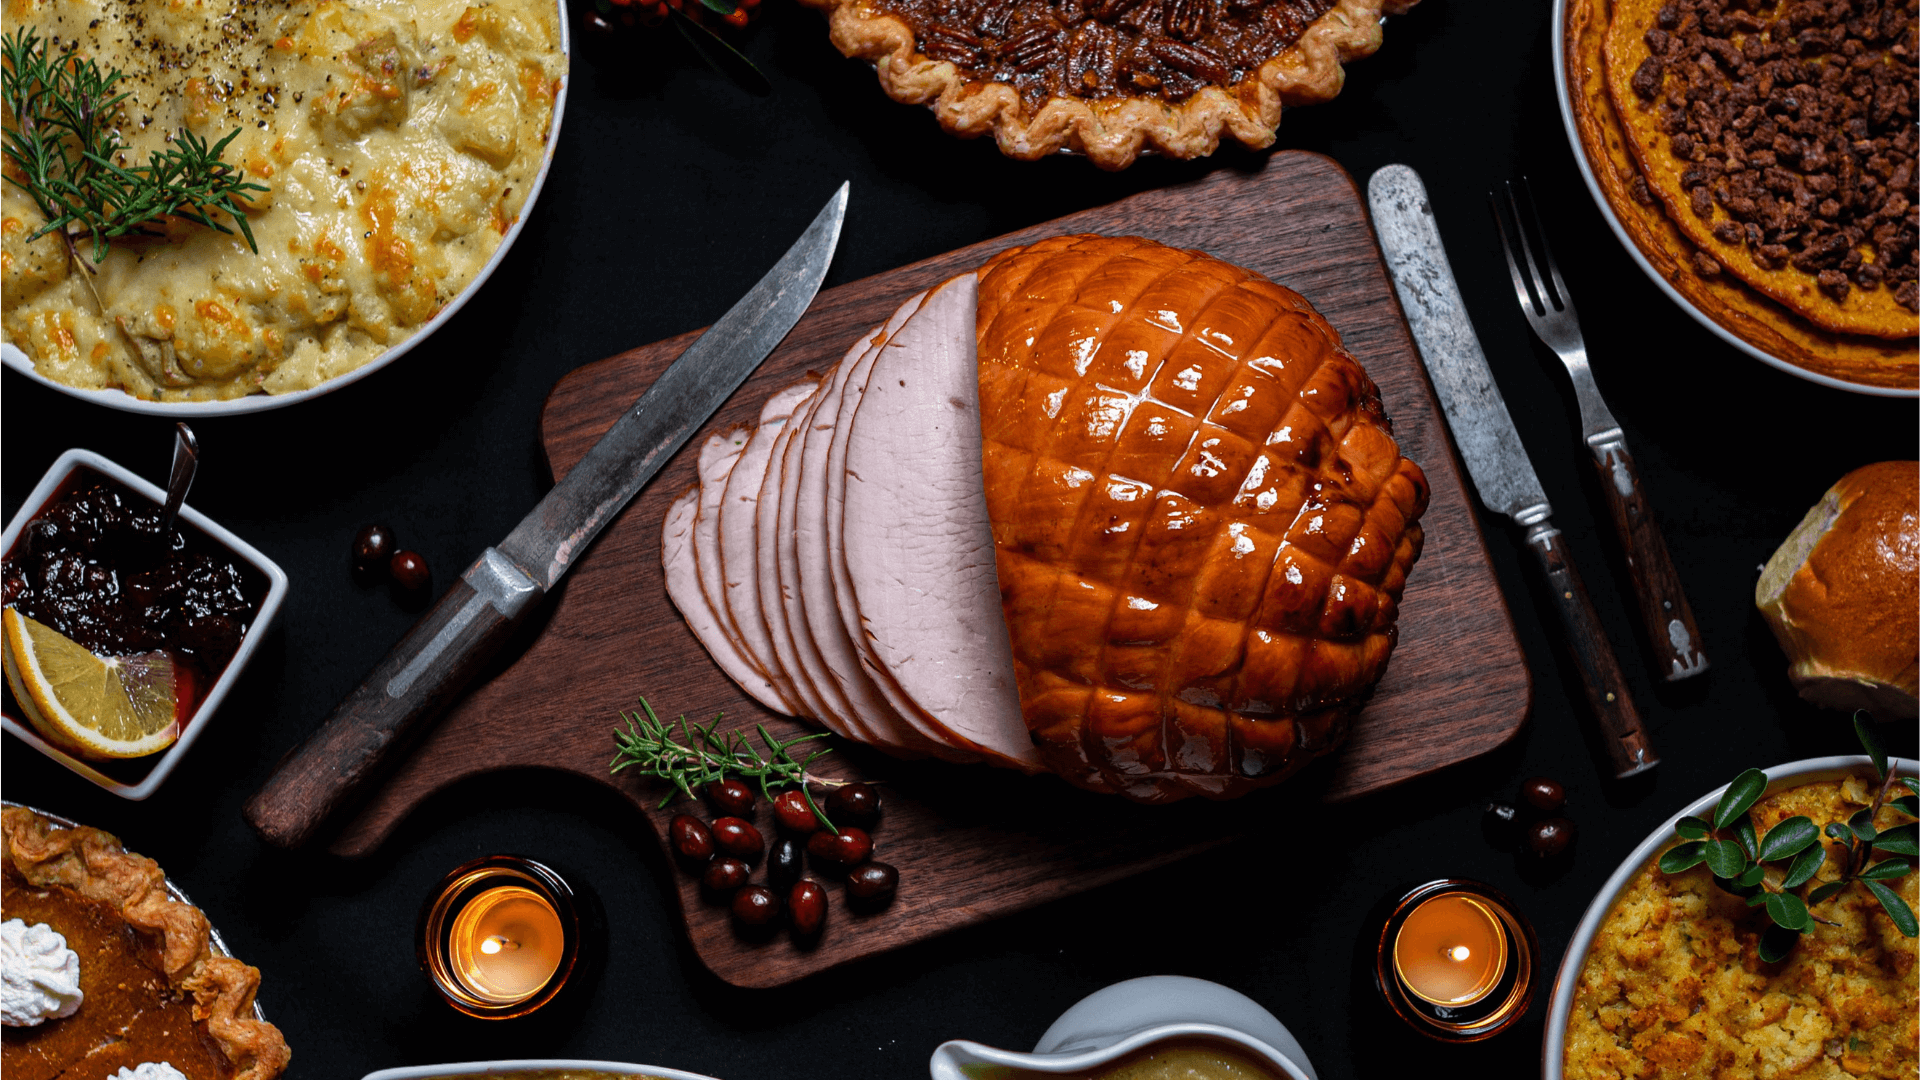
(1673, 985)
(399, 141)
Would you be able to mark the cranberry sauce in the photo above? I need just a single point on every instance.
(91, 565)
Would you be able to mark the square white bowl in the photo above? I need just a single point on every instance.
(263, 619)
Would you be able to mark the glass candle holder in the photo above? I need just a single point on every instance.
(1455, 960)
(499, 936)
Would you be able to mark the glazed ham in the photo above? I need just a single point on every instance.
(1107, 509)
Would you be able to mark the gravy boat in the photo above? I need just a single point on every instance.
(1112, 1023)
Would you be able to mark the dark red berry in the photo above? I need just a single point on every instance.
(372, 547)
(854, 804)
(724, 875)
(409, 571)
(756, 906)
(738, 838)
(691, 838)
(1549, 837)
(730, 797)
(874, 884)
(1544, 795)
(806, 908)
(795, 816)
(850, 847)
(785, 864)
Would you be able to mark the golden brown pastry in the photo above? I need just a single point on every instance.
(152, 991)
(1843, 593)
(1202, 523)
(1109, 78)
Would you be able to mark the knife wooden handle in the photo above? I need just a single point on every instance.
(438, 658)
(1627, 744)
(1664, 610)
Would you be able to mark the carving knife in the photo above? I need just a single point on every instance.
(1483, 430)
(452, 642)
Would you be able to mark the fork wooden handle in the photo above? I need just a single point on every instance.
(1664, 610)
(1628, 747)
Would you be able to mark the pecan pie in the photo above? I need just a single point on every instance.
(151, 988)
(1109, 78)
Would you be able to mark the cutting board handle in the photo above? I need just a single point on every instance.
(438, 658)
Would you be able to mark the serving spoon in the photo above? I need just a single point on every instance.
(186, 462)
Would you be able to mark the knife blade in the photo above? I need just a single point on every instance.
(450, 645)
(1483, 430)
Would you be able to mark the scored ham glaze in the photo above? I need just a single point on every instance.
(1202, 521)
(1113, 510)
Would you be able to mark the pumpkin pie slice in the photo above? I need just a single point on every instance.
(152, 990)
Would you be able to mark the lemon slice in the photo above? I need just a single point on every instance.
(97, 706)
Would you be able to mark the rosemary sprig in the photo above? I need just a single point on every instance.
(698, 754)
(63, 139)
(1770, 872)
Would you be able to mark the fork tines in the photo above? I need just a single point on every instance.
(1543, 298)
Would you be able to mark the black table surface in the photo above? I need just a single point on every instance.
(672, 191)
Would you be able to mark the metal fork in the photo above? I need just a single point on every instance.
(1664, 611)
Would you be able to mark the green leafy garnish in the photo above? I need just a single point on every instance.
(1769, 872)
(697, 754)
(63, 139)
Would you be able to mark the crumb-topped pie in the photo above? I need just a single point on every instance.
(130, 979)
(1109, 78)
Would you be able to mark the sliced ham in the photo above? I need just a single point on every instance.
(916, 538)
(683, 587)
(738, 555)
(717, 457)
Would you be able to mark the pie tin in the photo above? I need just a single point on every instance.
(203, 715)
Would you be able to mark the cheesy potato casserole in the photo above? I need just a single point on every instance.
(398, 139)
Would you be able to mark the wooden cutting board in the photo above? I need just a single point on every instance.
(972, 843)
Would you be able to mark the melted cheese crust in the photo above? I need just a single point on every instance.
(399, 139)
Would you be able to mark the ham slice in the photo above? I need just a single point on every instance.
(916, 537)
(740, 578)
(683, 587)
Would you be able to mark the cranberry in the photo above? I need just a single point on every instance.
(796, 817)
(806, 908)
(854, 804)
(1550, 837)
(873, 885)
(691, 838)
(755, 906)
(784, 864)
(372, 547)
(731, 797)
(1544, 795)
(409, 571)
(850, 847)
(738, 838)
(724, 875)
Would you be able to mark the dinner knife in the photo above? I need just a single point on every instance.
(1483, 430)
(452, 642)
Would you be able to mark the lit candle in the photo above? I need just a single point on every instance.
(506, 944)
(501, 936)
(1450, 950)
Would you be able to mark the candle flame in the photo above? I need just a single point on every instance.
(497, 943)
(1459, 952)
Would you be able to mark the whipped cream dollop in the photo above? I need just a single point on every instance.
(150, 1070)
(39, 975)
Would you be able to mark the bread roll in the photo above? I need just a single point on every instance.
(1843, 593)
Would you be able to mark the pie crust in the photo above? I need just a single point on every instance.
(95, 868)
(1112, 131)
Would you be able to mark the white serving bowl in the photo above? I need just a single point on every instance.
(515, 1065)
(197, 723)
(11, 356)
(1559, 34)
(1127, 1016)
(1780, 777)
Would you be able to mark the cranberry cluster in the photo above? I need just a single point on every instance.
(604, 15)
(725, 851)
